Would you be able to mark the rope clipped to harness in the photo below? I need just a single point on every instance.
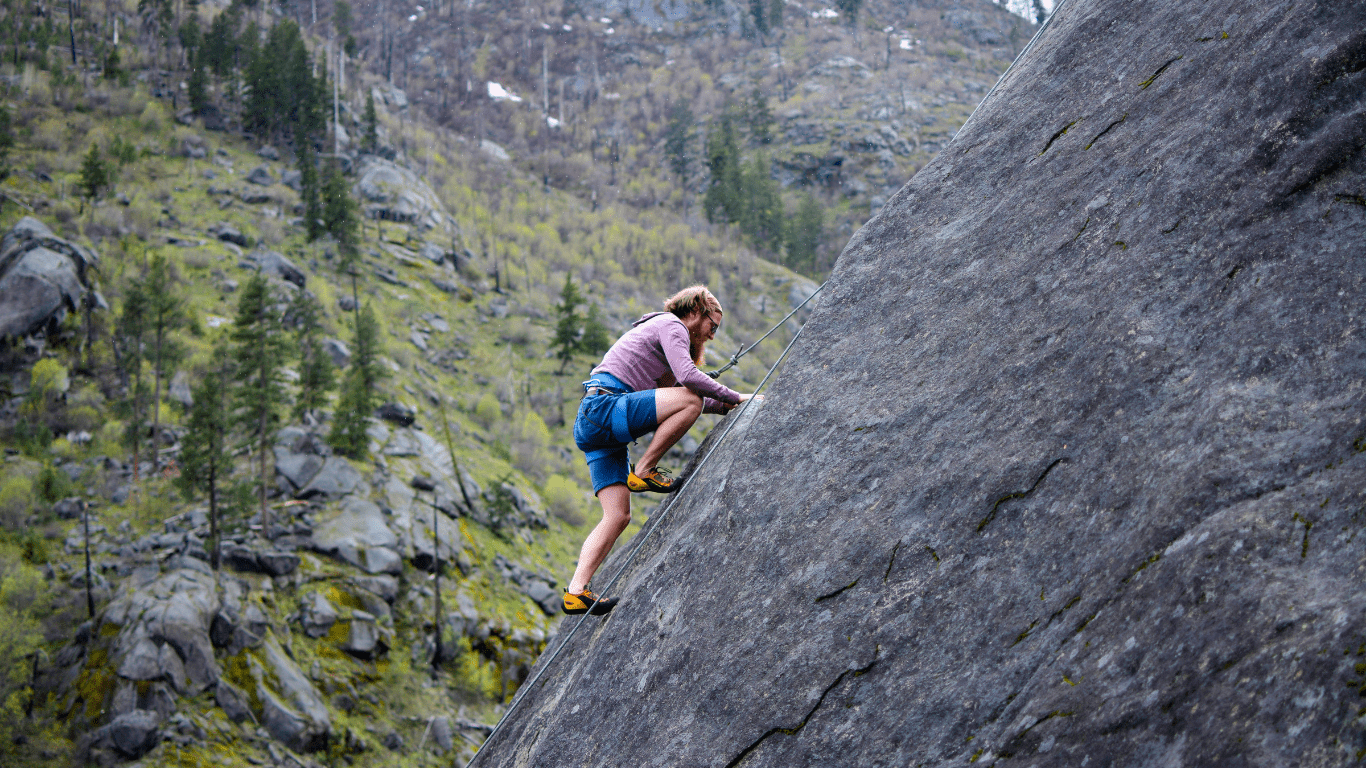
(735, 358)
(654, 524)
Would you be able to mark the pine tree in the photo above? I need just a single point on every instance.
(803, 234)
(849, 9)
(308, 190)
(340, 216)
(722, 201)
(359, 394)
(595, 339)
(568, 323)
(678, 139)
(130, 333)
(761, 217)
(369, 139)
(259, 351)
(758, 10)
(199, 84)
(204, 456)
(284, 97)
(94, 174)
(317, 377)
(760, 118)
(165, 314)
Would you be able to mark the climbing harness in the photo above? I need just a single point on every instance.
(654, 524)
(1010, 68)
(735, 358)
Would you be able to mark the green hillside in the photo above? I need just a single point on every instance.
(319, 638)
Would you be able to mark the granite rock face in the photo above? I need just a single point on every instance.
(1071, 451)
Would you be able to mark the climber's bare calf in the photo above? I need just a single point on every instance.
(677, 410)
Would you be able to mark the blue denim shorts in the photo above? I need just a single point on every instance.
(606, 424)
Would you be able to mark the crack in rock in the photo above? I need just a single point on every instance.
(799, 726)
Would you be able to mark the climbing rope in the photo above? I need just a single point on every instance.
(654, 523)
(1017, 60)
(735, 358)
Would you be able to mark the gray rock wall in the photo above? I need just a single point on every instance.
(1068, 466)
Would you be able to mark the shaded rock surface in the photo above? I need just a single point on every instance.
(42, 277)
(1071, 446)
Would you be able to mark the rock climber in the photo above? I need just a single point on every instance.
(647, 382)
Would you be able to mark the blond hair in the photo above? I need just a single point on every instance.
(695, 299)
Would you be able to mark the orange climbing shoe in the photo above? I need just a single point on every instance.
(656, 480)
(576, 604)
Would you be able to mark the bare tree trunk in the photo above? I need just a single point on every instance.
(156, 406)
(89, 593)
(436, 574)
(265, 510)
(71, 27)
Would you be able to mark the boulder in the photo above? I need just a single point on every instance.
(338, 351)
(441, 734)
(297, 468)
(135, 733)
(293, 713)
(277, 265)
(179, 391)
(174, 611)
(233, 701)
(1070, 475)
(228, 234)
(364, 639)
(317, 615)
(255, 196)
(336, 478)
(260, 175)
(277, 563)
(396, 413)
(268, 152)
(293, 179)
(42, 277)
(391, 192)
(359, 535)
(69, 509)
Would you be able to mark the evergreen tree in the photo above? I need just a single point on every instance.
(284, 98)
(722, 200)
(308, 190)
(359, 394)
(204, 456)
(758, 10)
(568, 323)
(6, 140)
(369, 138)
(803, 234)
(761, 217)
(341, 217)
(775, 14)
(95, 174)
(678, 139)
(198, 85)
(849, 9)
(165, 314)
(259, 352)
(130, 333)
(317, 376)
(760, 118)
(595, 339)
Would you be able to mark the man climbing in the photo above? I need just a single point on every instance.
(647, 382)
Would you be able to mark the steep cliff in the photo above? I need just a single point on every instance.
(1068, 466)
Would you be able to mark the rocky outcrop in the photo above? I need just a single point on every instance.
(359, 535)
(394, 193)
(42, 277)
(1070, 453)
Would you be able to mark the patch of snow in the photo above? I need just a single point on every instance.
(498, 93)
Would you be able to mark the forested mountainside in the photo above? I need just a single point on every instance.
(295, 300)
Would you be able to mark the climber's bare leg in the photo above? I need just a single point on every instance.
(676, 410)
(616, 515)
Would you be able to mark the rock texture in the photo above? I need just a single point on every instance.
(1071, 451)
(42, 277)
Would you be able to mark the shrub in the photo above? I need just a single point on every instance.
(487, 412)
(16, 498)
(565, 498)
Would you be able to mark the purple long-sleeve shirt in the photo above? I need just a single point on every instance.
(654, 353)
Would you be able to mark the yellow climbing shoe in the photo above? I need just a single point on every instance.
(587, 603)
(656, 480)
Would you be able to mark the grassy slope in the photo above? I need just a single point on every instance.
(626, 259)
